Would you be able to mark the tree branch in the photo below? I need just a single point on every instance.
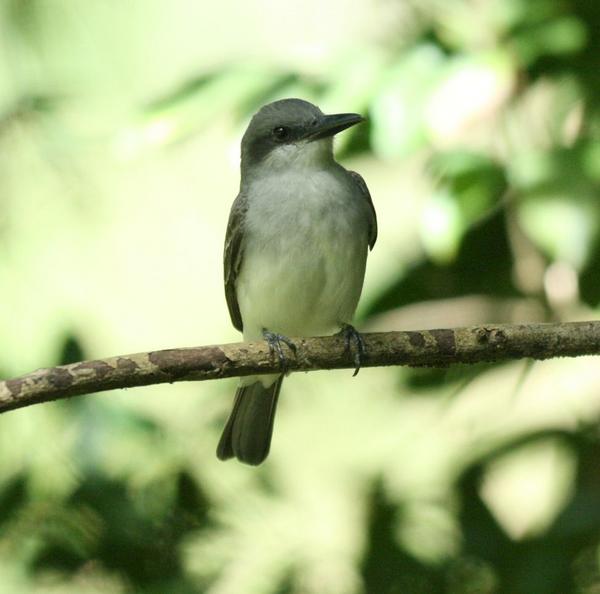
(426, 348)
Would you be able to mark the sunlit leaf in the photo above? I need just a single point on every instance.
(471, 88)
(441, 227)
(397, 113)
(563, 35)
(562, 227)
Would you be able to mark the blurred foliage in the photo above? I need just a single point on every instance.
(119, 131)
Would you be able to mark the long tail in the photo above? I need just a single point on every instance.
(247, 434)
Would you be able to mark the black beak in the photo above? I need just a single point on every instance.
(329, 125)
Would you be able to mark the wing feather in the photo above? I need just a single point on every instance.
(362, 186)
(232, 259)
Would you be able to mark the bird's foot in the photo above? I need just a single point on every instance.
(275, 341)
(351, 334)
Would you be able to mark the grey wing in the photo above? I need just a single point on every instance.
(232, 258)
(360, 182)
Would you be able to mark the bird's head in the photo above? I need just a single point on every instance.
(292, 133)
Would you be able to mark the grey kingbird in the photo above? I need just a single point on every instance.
(295, 251)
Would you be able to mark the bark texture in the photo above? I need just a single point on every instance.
(426, 348)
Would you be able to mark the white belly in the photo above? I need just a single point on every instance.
(304, 256)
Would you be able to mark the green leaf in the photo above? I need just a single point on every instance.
(560, 226)
(397, 114)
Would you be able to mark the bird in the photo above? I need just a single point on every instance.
(296, 246)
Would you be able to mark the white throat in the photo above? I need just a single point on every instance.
(302, 156)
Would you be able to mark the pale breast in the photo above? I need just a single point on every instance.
(305, 247)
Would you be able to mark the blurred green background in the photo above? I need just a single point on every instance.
(120, 125)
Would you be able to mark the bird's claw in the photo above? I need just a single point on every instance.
(350, 334)
(274, 341)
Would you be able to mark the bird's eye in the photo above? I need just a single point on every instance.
(281, 133)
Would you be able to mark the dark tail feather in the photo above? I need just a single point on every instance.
(247, 434)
